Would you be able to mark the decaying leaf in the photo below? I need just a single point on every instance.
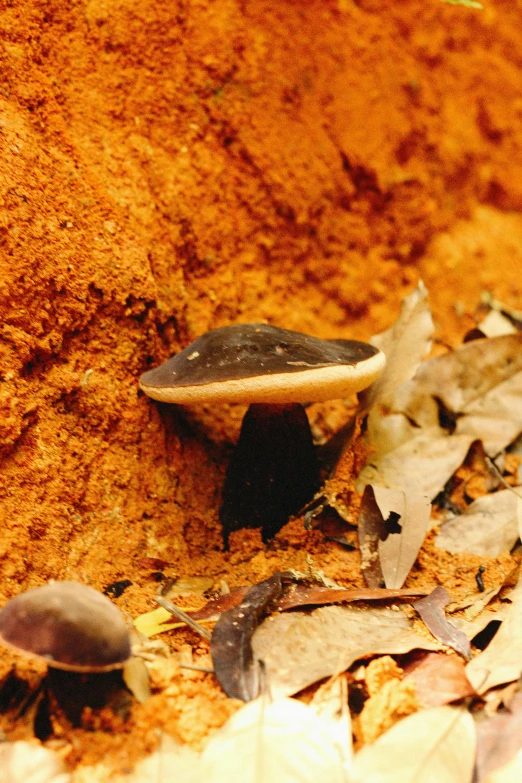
(136, 678)
(230, 646)
(501, 661)
(27, 762)
(330, 703)
(489, 526)
(439, 679)
(431, 610)
(299, 649)
(283, 741)
(223, 603)
(392, 527)
(430, 746)
(499, 739)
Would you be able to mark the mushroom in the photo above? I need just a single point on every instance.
(71, 626)
(274, 470)
(84, 640)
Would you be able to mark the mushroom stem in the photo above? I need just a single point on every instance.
(273, 471)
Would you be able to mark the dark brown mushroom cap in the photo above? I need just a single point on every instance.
(258, 363)
(70, 625)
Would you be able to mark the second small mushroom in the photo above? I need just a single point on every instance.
(273, 471)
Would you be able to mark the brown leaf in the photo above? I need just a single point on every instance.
(432, 614)
(488, 527)
(499, 739)
(299, 649)
(221, 604)
(308, 595)
(501, 661)
(230, 645)
(439, 679)
(392, 527)
(431, 745)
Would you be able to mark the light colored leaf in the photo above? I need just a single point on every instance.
(392, 528)
(279, 742)
(510, 773)
(171, 761)
(495, 324)
(488, 527)
(151, 623)
(136, 678)
(430, 746)
(405, 344)
(501, 661)
(27, 762)
(495, 418)
(330, 702)
(420, 466)
(299, 649)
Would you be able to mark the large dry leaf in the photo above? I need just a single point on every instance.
(316, 595)
(431, 746)
(501, 661)
(431, 610)
(510, 773)
(171, 761)
(330, 702)
(420, 466)
(25, 762)
(392, 528)
(299, 649)
(439, 679)
(283, 741)
(405, 344)
(489, 526)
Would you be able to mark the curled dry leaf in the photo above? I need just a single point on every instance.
(273, 742)
(501, 661)
(439, 679)
(432, 745)
(311, 595)
(300, 649)
(392, 527)
(431, 611)
(489, 526)
(27, 762)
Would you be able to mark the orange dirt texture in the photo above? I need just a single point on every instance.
(168, 167)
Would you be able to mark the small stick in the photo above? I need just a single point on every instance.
(184, 618)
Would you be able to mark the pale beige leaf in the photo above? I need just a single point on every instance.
(495, 418)
(431, 746)
(330, 703)
(510, 773)
(299, 649)
(283, 741)
(496, 324)
(420, 466)
(27, 762)
(489, 526)
(136, 678)
(171, 761)
(399, 551)
(405, 344)
(501, 661)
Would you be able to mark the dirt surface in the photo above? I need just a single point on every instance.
(171, 167)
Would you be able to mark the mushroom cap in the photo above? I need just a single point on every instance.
(259, 363)
(70, 625)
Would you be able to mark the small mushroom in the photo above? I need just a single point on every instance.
(274, 470)
(68, 624)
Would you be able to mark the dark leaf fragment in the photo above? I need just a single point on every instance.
(432, 614)
(310, 595)
(231, 647)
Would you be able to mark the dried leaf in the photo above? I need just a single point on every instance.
(299, 649)
(510, 773)
(439, 679)
(427, 747)
(136, 678)
(27, 762)
(495, 418)
(151, 623)
(495, 324)
(420, 466)
(170, 761)
(330, 703)
(392, 528)
(311, 595)
(230, 645)
(217, 606)
(405, 344)
(279, 742)
(489, 526)
(499, 739)
(432, 614)
(501, 661)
